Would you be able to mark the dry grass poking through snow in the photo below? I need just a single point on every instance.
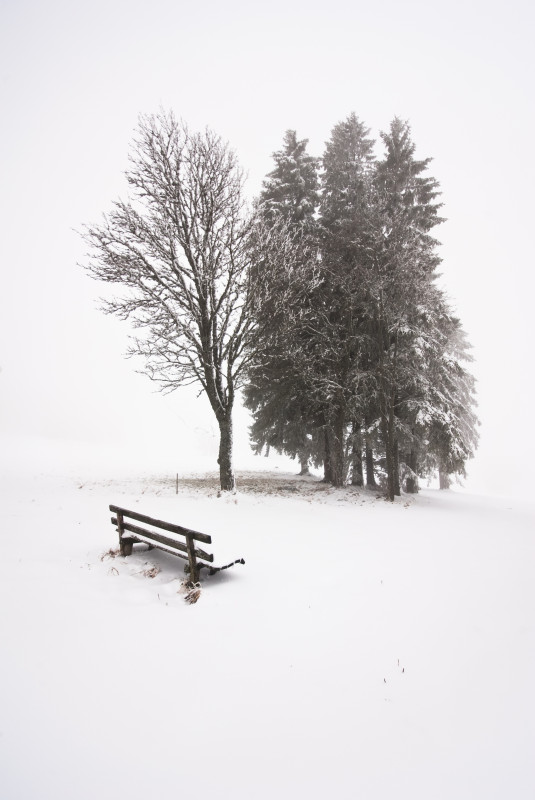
(274, 484)
(190, 590)
(113, 552)
(254, 483)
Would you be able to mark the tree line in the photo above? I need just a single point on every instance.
(321, 302)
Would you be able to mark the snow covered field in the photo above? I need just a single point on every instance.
(365, 650)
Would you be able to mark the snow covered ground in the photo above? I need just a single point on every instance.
(365, 650)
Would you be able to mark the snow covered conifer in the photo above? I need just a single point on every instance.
(405, 262)
(347, 163)
(346, 203)
(290, 191)
(359, 345)
(276, 392)
(448, 415)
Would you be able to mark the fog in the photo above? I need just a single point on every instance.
(74, 79)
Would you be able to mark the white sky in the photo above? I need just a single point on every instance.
(73, 79)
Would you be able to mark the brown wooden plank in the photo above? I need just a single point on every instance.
(161, 546)
(166, 526)
(152, 536)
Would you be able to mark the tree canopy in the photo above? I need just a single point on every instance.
(371, 369)
(320, 301)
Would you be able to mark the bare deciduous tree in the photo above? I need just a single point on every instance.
(179, 248)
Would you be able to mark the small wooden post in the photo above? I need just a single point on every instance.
(193, 572)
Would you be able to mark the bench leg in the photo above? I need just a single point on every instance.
(193, 569)
(126, 546)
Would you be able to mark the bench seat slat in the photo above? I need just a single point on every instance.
(159, 545)
(166, 526)
(151, 537)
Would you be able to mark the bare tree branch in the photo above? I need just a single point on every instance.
(179, 248)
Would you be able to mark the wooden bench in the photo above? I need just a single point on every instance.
(179, 541)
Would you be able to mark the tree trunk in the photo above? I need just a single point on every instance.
(337, 462)
(226, 472)
(397, 487)
(327, 466)
(387, 426)
(444, 480)
(411, 483)
(337, 452)
(303, 461)
(370, 475)
(357, 478)
(390, 487)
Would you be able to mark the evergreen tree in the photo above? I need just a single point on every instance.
(290, 191)
(360, 360)
(347, 165)
(344, 233)
(277, 391)
(447, 420)
(405, 265)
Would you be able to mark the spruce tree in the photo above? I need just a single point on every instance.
(405, 262)
(277, 392)
(290, 191)
(446, 421)
(344, 221)
(359, 360)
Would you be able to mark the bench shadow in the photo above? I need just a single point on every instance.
(172, 567)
